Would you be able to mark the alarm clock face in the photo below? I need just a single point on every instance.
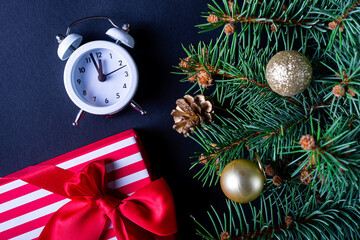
(101, 77)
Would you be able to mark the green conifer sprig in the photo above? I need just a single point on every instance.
(334, 160)
(344, 65)
(295, 214)
(318, 20)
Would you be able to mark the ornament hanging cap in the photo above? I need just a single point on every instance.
(257, 158)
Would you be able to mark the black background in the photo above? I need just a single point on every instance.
(37, 115)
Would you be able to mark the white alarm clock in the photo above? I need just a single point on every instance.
(100, 76)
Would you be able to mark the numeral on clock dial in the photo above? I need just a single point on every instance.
(118, 77)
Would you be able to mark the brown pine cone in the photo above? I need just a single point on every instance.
(204, 79)
(191, 112)
(213, 18)
(306, 177)
(225, 235)
(230, 28)
(333, 25)
(277, 180)
(307, 142)
(339, 90)
(269, 170)
(288, 220)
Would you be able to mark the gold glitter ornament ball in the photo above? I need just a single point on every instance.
(242, 181)
(288, 73)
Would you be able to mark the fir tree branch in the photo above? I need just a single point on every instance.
(334, 159)
(268, 233)
(310, 111)
(297, 215)
(346, 13)
(198, 67)
(238, 18)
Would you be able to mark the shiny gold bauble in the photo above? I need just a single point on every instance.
(242, 181)
(288, 73)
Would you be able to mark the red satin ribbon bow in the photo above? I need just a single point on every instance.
(149, 210)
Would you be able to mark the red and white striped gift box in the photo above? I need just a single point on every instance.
(25, 209)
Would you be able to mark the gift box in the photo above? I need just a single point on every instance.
(25, 208)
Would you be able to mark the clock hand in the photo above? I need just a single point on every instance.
(101, 76)
(93, 60)
(115, 70)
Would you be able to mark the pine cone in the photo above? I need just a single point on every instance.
(307, 142)
(338, 90)
(213, 18)
(204, 79)
(269, 170)
(289, 220)
(230, 28)
(225, 235)
(333, 25)
(277, 180)
(306, 177)
(191, 112)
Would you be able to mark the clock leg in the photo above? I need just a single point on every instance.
(79, 116)
(137, 107)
